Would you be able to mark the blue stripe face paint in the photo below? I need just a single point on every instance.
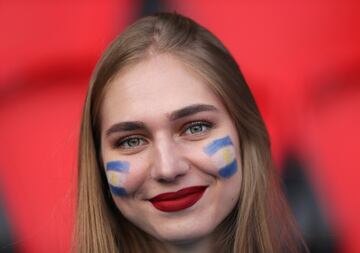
(119, 191)
(116, 172)
(222, 153)
(119, 166)
(213, 147)
(228, 170)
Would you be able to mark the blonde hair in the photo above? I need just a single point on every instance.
(260, 223)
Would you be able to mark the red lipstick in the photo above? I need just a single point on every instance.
(176, 201)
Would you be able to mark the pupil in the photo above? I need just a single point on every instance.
(134, 142)
(196, 129)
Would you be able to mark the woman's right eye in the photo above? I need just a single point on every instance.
(130, 142)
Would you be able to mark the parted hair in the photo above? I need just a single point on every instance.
(261, 221)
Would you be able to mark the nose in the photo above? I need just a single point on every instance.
(169, 163)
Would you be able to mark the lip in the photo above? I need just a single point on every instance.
(179, 200)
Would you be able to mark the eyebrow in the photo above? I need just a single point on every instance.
(173, 116)
(190, 110)
(126, 126)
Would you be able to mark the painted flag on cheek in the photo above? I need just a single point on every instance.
(222, 153)
(116, 173)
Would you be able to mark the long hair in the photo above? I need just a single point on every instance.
(260, 223)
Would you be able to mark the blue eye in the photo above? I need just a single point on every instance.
(196, 128)
(131, 142)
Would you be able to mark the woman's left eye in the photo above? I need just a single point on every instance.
(197, 128)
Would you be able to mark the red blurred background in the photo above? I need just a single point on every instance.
(301, 60)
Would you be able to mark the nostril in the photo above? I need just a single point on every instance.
(164, 181)
(170, 179)
(171, 174)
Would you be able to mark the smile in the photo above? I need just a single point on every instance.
(176, 201)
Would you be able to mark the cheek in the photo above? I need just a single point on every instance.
(222, 154)
(116, 173)
(124, 177)
(225, 162)
(136, 177)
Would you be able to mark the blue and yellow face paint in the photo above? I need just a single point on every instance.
(222, 152)
(116, 173)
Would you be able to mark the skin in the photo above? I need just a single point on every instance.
(166, 153)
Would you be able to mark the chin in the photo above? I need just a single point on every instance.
(181, 238)
(182, 233)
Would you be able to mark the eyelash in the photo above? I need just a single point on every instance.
(122, 141)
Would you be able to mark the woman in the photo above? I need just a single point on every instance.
(174, 155)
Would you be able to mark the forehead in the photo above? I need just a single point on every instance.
(154, 87)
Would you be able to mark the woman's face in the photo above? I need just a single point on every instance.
(170, 150)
